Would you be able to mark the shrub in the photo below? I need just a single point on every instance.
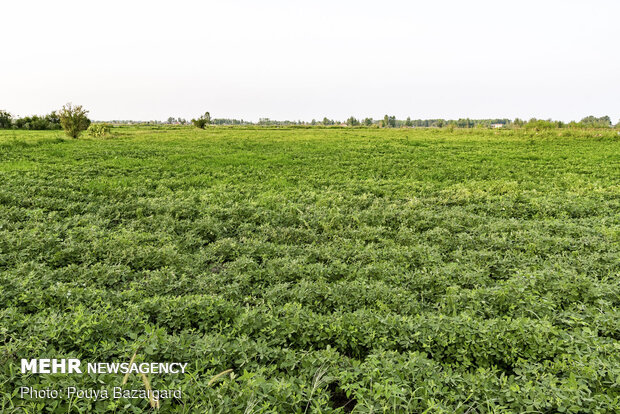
(6, 120)
(594, 122)
(73, 119)
(352, 121)
(53, 120)
(98, 130)
(34, 122)
(202, 121)
(540, 125)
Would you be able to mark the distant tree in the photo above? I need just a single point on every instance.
(352, 121)
(368, 121)
(592, 121)
(73, 119)
(170, 120)
(53, 120)
(386, 121)
(202, 121)
(6, 120)
(392, 121)
(408, 122)
(439, 123)
(34, 122)
(540, 124)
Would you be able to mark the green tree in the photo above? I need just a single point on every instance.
(53, 120)
(34, 122)
(368, 121)
(540, 124)
(592, 121)
(6, 120)
(202, 121)
(73, 119)
(408, 122)
(392, 121)
(352, 121)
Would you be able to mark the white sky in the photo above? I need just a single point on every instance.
(301, 60)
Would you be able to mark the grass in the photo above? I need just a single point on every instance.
(416, 270)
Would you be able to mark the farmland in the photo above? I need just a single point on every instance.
(332, 270)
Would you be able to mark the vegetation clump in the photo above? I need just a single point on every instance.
(99, 130)
(202, 121)
(6, 120)
(50, 121)
(73, 119)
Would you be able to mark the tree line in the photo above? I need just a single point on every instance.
(34, 122)
(72, 119)
(390, 121)
(53, 121)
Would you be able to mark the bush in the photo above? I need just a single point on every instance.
(202, 121)
(34, 122)
(6, 120)
(37, 123)
(540, 125)
(594, 122)
(53, 120)
(98, 130)
(73, 119)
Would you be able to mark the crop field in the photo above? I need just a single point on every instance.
(332, 270)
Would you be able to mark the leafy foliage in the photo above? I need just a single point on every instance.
(540, 125)
(372, 270)
(33, 123)
(99, 130)
(352, 121)
(6, 120)
(203, 121)
(594, 122)
(73, 119)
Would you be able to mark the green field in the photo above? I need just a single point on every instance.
(333, 270)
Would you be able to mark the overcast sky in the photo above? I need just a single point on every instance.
(294, 60)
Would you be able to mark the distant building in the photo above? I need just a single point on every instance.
(497, 125)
